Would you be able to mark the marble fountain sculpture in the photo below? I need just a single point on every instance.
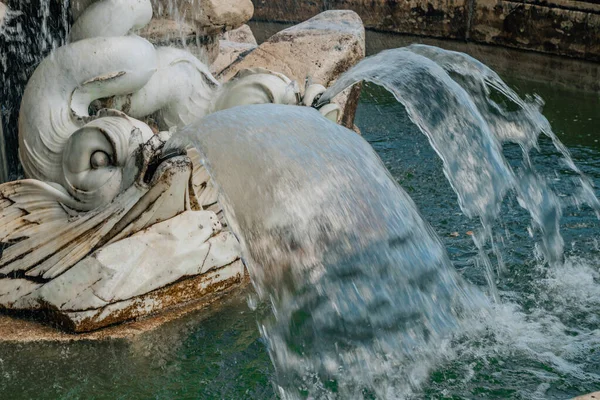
(107, 226)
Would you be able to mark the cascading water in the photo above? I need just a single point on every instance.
(361, 288)
(30, 31)
(364, 298)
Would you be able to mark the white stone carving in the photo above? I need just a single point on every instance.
(108, 227)
(3, 9)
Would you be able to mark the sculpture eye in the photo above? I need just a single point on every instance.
(99, 159)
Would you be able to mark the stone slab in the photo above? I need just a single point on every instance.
(243, 34)
(229, 54)
(161, 299)
(437, 18)
(320, 49)
(562, 27)
(287, 10)
(183, 35)
(233, 46)
(209, 16)
(572, 32)
(26, 329)
(171, 262)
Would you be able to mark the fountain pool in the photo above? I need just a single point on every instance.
(540, 342)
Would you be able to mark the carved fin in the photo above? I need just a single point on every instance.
(204, 189)
(39, 237)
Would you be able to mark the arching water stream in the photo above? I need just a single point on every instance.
(364, 297)
(539, 342)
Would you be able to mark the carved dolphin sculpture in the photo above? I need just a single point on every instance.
(107, 216)
(57, 97)
(97, 180)
(91, 176)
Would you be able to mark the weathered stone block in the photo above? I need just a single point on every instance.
(229, 53)
(212, 16)
(566, 29)
(182, 34)
(592, 49)
(195, 24)
(321, 49)
(243, 34)
(234, 45)
(169, 263)
(287, 10)
(437, 18)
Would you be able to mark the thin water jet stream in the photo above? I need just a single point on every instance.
(450, 96)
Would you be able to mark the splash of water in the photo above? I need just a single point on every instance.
(30, 30)
(361, 287)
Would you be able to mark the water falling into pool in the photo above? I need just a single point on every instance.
(365, 300)
(360, 285)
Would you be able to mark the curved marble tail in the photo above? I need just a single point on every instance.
(56, 99)
(111, 18)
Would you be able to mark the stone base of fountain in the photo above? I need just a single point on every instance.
(25, 328)
(197, 289)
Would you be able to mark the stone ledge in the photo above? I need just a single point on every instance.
(435, 18)
(26, 329)
(562, 27)
(546, 29)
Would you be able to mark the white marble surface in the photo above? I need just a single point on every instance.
(193, 243)
(93, 237)
(3, 10)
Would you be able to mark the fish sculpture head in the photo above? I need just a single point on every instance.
(107, 156)
(115, 181)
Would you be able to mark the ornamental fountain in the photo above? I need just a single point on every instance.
(154, 179)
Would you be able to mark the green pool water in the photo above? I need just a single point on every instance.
(542, 342)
